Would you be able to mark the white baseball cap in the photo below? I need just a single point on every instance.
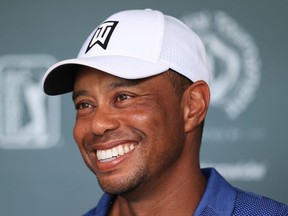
(134, 44)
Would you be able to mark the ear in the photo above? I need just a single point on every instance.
(195, 101)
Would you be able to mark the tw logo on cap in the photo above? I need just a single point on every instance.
(102, 35)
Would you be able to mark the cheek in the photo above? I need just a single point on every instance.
(76, 133)
(152, 124)
(146, 116)
(79, 132)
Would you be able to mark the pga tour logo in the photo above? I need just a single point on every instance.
(28, 118)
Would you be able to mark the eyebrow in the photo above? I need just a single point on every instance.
(124, 83)
(117, 84)
(77, 94)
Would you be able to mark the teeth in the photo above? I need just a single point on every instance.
(120, 150)
(126, 149)
(114, 152)
(109, 154)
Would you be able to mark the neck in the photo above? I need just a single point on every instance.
(177, 193)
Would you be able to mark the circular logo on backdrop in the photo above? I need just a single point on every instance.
(233, 60)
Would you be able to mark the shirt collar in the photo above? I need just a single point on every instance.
(219, 195)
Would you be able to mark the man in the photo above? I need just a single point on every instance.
(141, 90)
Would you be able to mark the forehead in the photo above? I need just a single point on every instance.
(91, 74)
(90, 79)
(88, 73)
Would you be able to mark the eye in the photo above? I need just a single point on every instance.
(82, 105)
(122, 96)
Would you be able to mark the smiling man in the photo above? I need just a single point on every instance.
(141, 90)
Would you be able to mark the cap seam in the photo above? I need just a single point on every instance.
(161, 34)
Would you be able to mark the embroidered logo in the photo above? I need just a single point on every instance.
(102, 35)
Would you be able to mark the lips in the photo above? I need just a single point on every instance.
(115, 152)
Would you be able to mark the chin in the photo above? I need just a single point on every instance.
(120, 185)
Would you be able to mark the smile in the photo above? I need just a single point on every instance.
(113, 153)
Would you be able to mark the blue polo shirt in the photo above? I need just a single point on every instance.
(219, 199)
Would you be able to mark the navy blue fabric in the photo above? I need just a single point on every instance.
(103, 206)
(219, 199)
(219, 195)
(251, 204)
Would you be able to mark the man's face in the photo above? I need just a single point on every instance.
(129, 132)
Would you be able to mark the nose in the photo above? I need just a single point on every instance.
(104, 120)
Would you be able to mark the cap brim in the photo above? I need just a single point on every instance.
(59, 78)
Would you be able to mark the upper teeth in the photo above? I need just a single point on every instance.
(114, 152)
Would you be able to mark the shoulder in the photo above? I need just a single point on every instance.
(247, 203)
(221, 198)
